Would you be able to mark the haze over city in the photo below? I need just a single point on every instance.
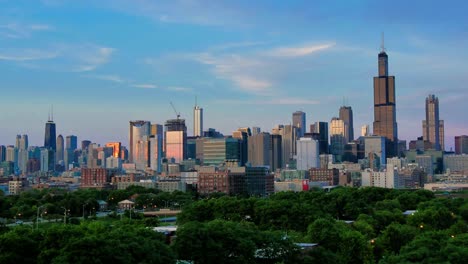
(103, 63)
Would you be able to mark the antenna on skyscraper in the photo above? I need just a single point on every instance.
(382, 45)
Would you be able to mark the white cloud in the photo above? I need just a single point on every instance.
(27, 55)
(179, 89)
(300, 51)
(90, 57)
(21, 30)
(145, 86)
(111, 78)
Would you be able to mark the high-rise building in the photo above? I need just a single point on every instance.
(22, 150)
(441, 135)
(2, 153)
(374, 150)
(299, 121)
(85, 144)
(321, 128)
(138, 130)
(259, 149)
(256, 130)
(346, 114)
(217, 151)
(461, 144)
(307, 154)
(385, 124)
(197, 121)
(156, 152)
(243, 134)
(433, 127)
(176, 140)
(276, 157)
(59, 154)
(288, 135)
(365, 131)
(115, 148)
(50, 136)
(338, 136)
(71, 142)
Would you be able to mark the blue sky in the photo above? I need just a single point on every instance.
(250, 63)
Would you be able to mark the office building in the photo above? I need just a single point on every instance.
(324, 177)
(276, 157)
(218, 151)
(197, 121)
(60, 145)
(156, 152)
(385, 124)
(374, 150)
(176, 140)
(50, 136)
(365, 131)
(138, 130)
(115, 148)
(47, 160)
(307, 154)
(2, 153)
(346, 114)
(457, 163)
(242, 134)
(299, 121)
(71, 142)
(259, 149)
(433, 127)
(288, 135)
(461, 144)
(85, 144)
(321, 128)
(338, 136)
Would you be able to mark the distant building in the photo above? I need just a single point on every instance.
(433, 127)
(259, 149)
(307, 154)
(365, 131)
(71, 142)
(346, 114)
(329, 177)
(338, 136)
(375, 145)
(299, 121)
(197, 121)
(176, 140)
(456, 162)
(96, 178)
(461, 144)
(138, 130)
(60, 145)
(217, 151)
(288, 135)
(276, 150)
(385, 124)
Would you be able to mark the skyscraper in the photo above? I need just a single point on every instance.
(50, 136)
(433, 126)
(59, 154)
(259, 149)
(338, 136)
(299, 121)
(307, 154)
(461, 144)
(138, 130)
(276, 157)
(176, 140)
(197, 121)
(346, 114)
(71, 142)
(365, 131)
(384, 105)
(288, 139)
(321, 128)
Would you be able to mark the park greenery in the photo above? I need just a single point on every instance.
(345, 225)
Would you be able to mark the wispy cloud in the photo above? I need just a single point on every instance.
(16, 30)
(27, 55)
(291, 52)
(145, 86)
(90, 57)
(273, 101)
(179, 89)
(112, 78)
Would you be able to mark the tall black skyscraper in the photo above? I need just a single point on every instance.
(384, 105)
(346, 114)
(50, 136)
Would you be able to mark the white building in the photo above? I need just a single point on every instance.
(383, 179)
(307, 154)
(197, 121)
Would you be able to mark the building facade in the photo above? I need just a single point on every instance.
(385, 124)
(433, 127)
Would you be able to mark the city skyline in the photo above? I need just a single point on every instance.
(295, 56)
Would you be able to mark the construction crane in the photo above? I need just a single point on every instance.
(175, 111)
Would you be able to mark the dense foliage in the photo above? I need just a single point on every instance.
(346, 225)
